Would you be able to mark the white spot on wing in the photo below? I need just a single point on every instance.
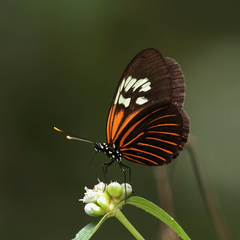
(124, 101)
(132, 83)
(127, 81)
(145, 87)
(121, 85)
(139, 83)
(141, 100)
(119, 91)
(116, 98)
(129, 85)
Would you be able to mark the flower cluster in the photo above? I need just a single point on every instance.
(104, 198)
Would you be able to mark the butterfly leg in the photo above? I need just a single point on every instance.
(104, 168)
(124, 167)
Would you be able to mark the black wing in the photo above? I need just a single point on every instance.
(149, 83)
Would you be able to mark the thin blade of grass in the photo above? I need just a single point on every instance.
(158, 213)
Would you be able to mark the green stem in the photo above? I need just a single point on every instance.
(127, 224)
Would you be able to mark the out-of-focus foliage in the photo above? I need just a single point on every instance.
(60, 62)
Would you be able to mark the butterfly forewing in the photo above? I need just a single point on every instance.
(146, 121)
(146, 80)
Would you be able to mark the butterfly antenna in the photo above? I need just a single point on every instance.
(73, 136)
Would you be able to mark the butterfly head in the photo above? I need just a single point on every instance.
(99, 147)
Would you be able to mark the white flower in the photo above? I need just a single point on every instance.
(102, 198)
(89, 196)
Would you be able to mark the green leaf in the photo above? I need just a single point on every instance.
(127, 224)
(159, 213)
(88, 231)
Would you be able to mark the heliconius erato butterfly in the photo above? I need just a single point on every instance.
(146, 122)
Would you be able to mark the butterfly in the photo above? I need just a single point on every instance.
(146, 122)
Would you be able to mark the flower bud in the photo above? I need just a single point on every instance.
(99, 187)
(106, 195)
(127, 190)
(103, 202)
(93, 210)
(114, 189)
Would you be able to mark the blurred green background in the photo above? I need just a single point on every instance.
(60, 64)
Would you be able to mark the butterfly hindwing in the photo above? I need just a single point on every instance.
(177, 82)
(153, 137)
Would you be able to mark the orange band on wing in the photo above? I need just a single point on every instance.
(168, 133)
(158, 139)
(117, 120)
(130, 130)
(139, 150)
(110, 122)
(165, 116)
(140, 134)
(148, 160)
(164, 125)
(162, 149)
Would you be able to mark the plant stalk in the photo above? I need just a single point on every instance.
(119, 215)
